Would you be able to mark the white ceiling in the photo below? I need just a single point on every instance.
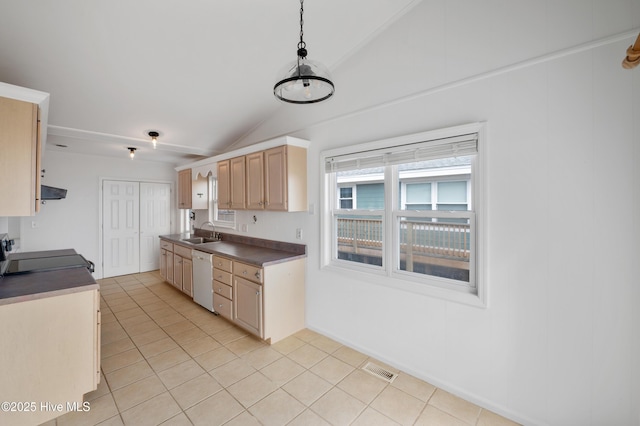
(199, 72)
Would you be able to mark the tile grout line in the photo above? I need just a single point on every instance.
(130, 291)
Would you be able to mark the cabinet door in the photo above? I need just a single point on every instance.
(184, 189)
(224, 184)
(19, 169)
(169, 277)
(163, 264)
(275, 164)
(255, 181)
(187, 276)
(177, 271)
(237, 166)
(247, 305)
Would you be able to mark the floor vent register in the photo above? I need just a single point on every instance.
(379, 372)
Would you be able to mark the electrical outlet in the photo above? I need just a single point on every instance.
(298, 233)
(244, 227)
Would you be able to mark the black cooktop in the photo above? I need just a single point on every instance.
(21, 266)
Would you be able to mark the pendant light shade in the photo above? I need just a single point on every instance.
(303, 81)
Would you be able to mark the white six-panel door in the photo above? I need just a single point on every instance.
(121, 228)
(134, 215)
(155, 199)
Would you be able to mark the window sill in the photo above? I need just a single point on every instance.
(380, 277)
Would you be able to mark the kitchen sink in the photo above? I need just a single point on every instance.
(199, 240)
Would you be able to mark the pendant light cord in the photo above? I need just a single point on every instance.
(302, 51)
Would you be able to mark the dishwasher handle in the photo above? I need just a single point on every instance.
(201, 256)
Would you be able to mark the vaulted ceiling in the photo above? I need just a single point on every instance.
(201, 73)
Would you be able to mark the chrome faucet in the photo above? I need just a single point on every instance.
(213, 228)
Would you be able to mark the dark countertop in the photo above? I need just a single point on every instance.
(37, 285)
(253, 251)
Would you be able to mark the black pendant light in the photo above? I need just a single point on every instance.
(304, 81)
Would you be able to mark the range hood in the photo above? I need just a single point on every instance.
(51, 193)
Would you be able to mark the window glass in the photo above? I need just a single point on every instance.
(439, 246)
(418, 196)
(370, 196)
(346, 198)
(360, 238)
(220, 217)
(452, 192)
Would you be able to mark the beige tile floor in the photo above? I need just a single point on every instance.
(166, 360)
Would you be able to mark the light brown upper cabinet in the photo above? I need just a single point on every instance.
(273, 179)
(231, 182)
(277, 179)
(237, 191)
(20, 158)
(285, 178)
(224, 184)
(184, 189)
(255, 181)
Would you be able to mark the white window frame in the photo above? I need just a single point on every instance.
(389, 275)
(213, 207)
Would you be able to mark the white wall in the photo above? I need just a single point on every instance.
(560, 342)
(74, 221)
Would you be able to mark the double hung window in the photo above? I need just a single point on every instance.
(407, 208)
(220, 217)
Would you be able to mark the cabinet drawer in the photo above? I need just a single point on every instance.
(249, 272)
(182, 251)
(223, 289)
(222, 276)
(166, 245)
(223, 306)
(222, 263)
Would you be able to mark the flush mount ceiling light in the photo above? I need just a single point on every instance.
(154, 137)
(304, 81)
(132, 152)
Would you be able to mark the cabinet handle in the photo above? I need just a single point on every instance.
(258, 274)
(257, 293)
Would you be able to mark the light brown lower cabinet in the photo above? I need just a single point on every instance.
(176, 266)
(247, 305)
(222, 286)
(268, 302)
(182, 269)
(50, 356)
(166, 261)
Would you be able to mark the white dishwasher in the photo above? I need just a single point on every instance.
(203, 278)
